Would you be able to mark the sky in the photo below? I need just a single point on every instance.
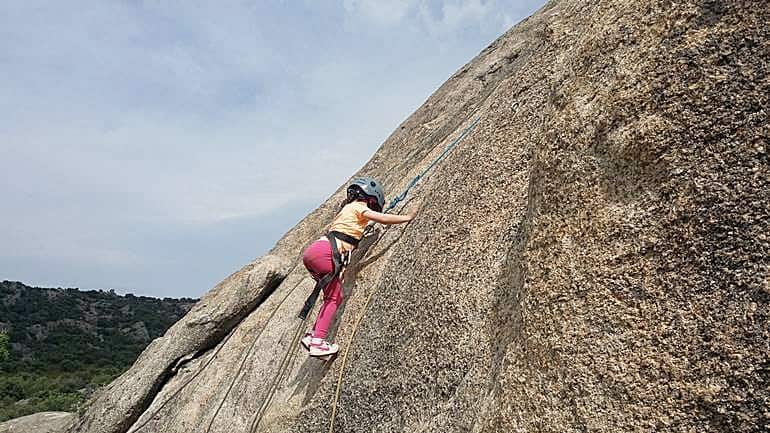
(155, 147)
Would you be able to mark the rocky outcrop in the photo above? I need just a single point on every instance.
(38, 318)
(137, 332)
(207, 323)
(42, 422)
(593, 257)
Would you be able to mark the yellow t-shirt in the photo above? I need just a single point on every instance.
(350, 221)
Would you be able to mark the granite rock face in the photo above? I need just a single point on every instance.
(41, 422)
(208, 323)
(592, 257)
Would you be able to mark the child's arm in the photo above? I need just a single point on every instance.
(386, 218)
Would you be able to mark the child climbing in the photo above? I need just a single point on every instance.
(325, 258)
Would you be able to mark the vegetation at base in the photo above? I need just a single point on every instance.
(57, 346)
(4, 354)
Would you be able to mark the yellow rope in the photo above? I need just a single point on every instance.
(345, 360)
(353, 336)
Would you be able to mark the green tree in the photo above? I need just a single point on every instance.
(4, 354)
(51, 364)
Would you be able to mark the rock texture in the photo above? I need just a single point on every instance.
(593, 257)
(209, 322)
(42, 422)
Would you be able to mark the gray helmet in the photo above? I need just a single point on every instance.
(369, 187)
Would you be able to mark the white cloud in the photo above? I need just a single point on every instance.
(122, 121)
(439, 17)
(454, 16)
(382, 12)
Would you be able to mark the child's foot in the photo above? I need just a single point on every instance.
(319, 347)
(306, 340)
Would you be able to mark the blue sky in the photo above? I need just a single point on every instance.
(154, 147)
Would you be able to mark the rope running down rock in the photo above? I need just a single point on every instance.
(287, 358)
(220, 345)
(417, 178)
(392, 204)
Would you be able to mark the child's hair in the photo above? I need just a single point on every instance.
(355, 193)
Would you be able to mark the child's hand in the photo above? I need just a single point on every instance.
(383, 218)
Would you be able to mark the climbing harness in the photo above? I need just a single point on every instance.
(339, 261)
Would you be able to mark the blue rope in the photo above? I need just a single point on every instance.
(417, 178)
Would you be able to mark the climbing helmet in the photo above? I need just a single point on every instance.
(369, 188)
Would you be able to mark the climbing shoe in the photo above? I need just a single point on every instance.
(306, 340)
(319, 347)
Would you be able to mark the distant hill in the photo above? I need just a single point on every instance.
(65, 342)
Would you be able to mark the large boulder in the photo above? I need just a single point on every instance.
(41, 422)
(592, 257)
(208, 323)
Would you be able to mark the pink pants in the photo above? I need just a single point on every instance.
(318, 261)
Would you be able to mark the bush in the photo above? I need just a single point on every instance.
(55, 364)
(4, 353)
